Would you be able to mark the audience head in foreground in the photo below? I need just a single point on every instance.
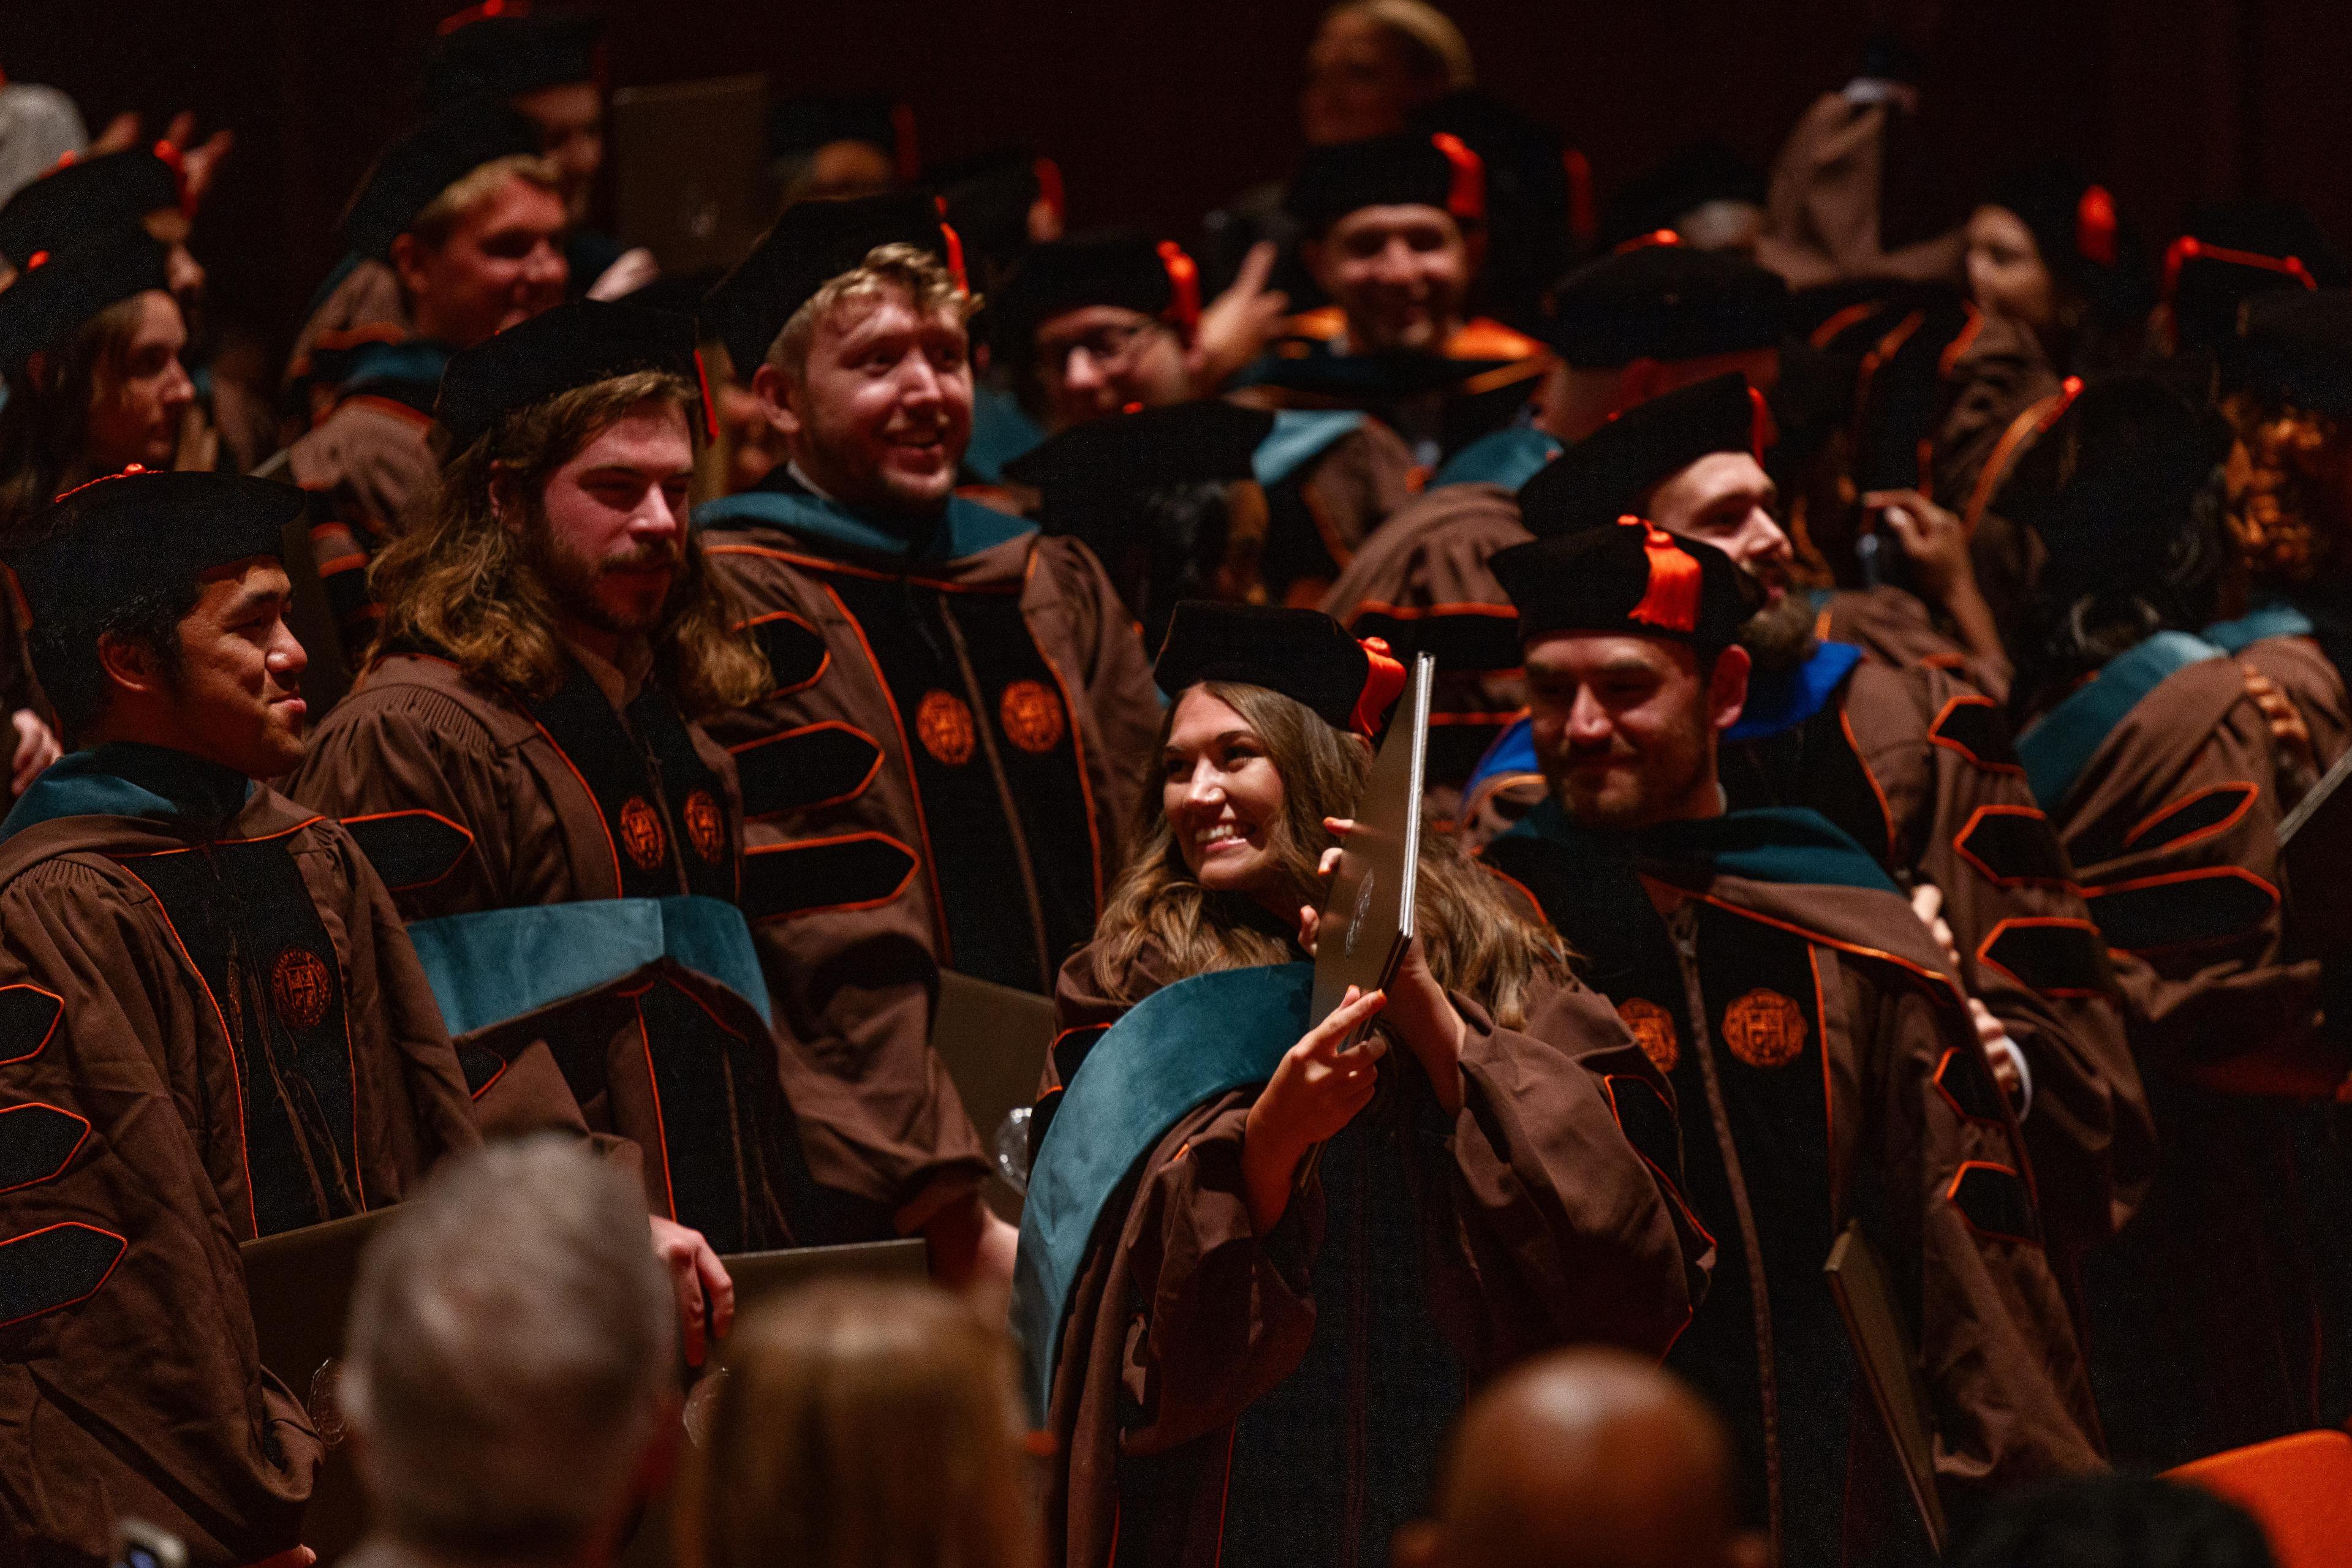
(1584, 1459)
(509, 1378)
(862, 1425)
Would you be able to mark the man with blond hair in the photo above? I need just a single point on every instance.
(464, 221)
(942, 772)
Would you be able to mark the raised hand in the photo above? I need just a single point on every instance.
(2297, 759)
(1236, 325)
(1418, 1012)
(1317, 1088)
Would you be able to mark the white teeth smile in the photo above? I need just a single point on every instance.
(1223, 832)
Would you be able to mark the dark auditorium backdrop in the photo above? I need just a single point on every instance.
(1158, 111)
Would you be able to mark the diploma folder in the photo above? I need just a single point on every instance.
(1882, 1347)
(2315, 845)
(1367, 917)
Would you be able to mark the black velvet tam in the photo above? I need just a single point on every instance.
(137, 533)
(1407, 169)
(1303, 654)
(408, 174)
(574, 345)
(1665, 302)
(2295, 351)
(1603, 476)
(1597, 579)
(1108, 459)
(85, 200)
(498, 51)
(810, 246)
(69, 288)
(1122, 269)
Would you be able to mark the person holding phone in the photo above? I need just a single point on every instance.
(1323, 1257)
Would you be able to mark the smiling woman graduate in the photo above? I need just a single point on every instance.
(1251, 1358)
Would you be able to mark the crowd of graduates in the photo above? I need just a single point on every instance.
(557, 746)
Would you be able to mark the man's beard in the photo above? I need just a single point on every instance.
(571, 579)
(1779, 637)
(1649, 799)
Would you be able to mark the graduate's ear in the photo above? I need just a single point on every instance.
(777, 396)
(1727, 687)
(409, 264)
(504, 496)
(1419, 1544)
(132, 665)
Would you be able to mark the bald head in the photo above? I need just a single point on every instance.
(1584, 1459)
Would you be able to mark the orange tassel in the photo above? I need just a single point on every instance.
(1583, 221)
(1671, 601)
(954, 242)
(1049, 187)
(2189, 248)
(1759, 424)
(1644, 241)
(709, 409)
(1183, 286)
(2094, 226)
(1383, 680)
(1467, 198)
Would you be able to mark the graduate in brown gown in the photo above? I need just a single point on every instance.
(523, 761)
(212, 1029)
(1822, 1056)
(1630, 328)
(2162, 775)
(466, 219)
(1306, 1256)
(1098, 326)
(940, 771)
(1393, 231)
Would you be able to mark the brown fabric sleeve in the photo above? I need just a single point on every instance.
(1112, 679)
(1362, 481)
(1571, 1234)
(2012, 1397)
(132, 1384)
(1970, 826)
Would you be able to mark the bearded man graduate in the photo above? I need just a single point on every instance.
(1823, 1060)
(942, 767)
(212, 1029)
(523, 760)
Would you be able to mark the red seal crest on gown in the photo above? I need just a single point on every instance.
(1764, 1029)
(1653, 1029)
(1032, 717)
(641, 833)
(943, 723)
(300, 986)
(706, 825)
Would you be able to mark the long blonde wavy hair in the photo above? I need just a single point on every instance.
(1478, 942)
(460, 582)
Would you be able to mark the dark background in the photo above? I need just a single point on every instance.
(1159, 111)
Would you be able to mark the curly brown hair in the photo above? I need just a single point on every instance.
(1477, 941)
(460, 582)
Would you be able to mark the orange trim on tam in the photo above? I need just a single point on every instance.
(2189, 248)
(1671, 601)
(1183, 286)
(709, 413)
(1643, 242)
(1467, 198)
(1760, 423)
(1383, 680)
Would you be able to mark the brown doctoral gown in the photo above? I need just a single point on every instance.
(942, 778)
(476, 805)
(212, 1029)
(2207, 1323)
(1916, 766)
(1226, 1398)
(1825, 1071)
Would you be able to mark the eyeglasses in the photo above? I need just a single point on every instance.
(1111, 346)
